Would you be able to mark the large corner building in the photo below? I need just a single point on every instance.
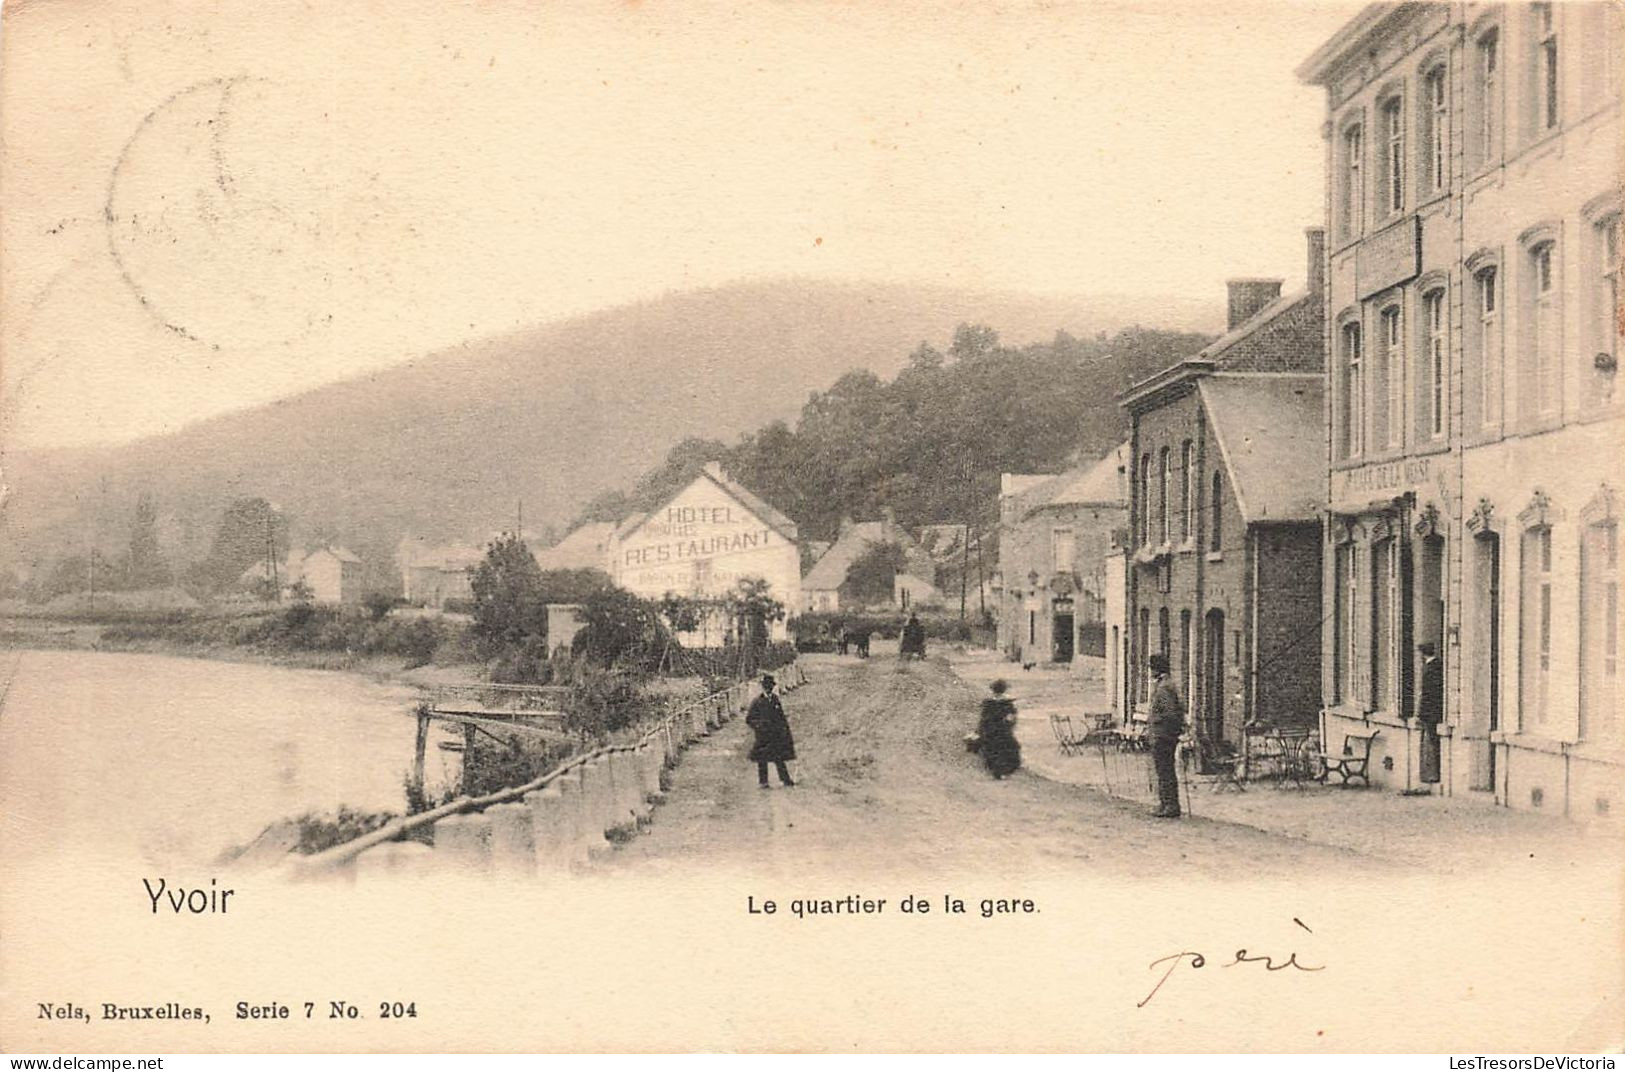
(1474, 437)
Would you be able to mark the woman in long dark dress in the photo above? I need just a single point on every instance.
(997, 731)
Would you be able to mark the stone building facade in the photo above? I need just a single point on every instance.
(1474, 416)
(1054, 535)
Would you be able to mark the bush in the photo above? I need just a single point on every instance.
(378, 605)
(321, 831)
(522, 758)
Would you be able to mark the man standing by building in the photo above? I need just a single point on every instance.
(1430, 712)
(1166, 723)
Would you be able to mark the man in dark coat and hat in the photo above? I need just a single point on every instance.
(773, 741)
(1430, 711)
(1163, 728)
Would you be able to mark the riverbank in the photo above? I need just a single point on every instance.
(174, 635)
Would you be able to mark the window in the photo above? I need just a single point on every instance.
(1539, 397)
(1064, 547)
(1144, 501)
(1353, 411)
(1604, 311)
(1388, 426)
(1599, 628)
(1163, 497)
(1187, 494)
(1353, 206)
(1546, 71)
(1435, 165)
(1535, 626)
(1438, 362)
(1487, 348)
(1393, 161)
(1487, 128)
(1164, 642)
(1216, 520)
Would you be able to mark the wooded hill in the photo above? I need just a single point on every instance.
(446, 445)
(930, 443)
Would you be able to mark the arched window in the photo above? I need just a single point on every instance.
(1435, 321)
(1546, 78)
(1353, 392)
(1393, 157)
(1352, 204)
(1145, 499)
(1164, 500)
(1487, 344)
(1388, 425)
(1535, 626)
(1216, 514)
(1541, 390)
(1436, 127)
(1187, 491)
(1486, 125)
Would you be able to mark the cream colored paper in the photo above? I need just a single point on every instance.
(208, 207)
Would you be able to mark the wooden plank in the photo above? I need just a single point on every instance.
(502, 724)
(492, 713)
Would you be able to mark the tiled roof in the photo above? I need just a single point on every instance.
(583, 548)
(1269, 431)
(1100, 483)
(830, 571)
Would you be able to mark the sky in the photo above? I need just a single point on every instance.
(214, 205)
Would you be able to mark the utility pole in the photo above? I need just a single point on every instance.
(519, 521)
(270, 560)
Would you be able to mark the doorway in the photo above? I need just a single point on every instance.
(1063, 636)
(1212, 722)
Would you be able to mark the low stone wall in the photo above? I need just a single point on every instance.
(559, 823)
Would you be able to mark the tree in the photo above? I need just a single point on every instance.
(870, 577)
(571, 585)
(509, 604)
(618, 627)
(751, 606)
(145, 567)
(250, 531)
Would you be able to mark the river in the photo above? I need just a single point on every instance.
(174, 760)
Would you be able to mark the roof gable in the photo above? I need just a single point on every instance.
(1267, 425)
(830, 571)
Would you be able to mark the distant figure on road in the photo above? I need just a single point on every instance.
(1430, 711)
(842, 640)
(913, 642)
(1163, 728)
(997, 732)
(773, 741)
(860, 638)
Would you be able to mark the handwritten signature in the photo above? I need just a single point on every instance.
(1198, 960)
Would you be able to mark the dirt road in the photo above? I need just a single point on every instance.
(885, 784)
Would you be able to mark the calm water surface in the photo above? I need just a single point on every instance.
(173, 760)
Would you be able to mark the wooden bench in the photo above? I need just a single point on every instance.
(1354, 761)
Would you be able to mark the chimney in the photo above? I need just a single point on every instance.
(1248, 296)
(1315, 277)
(888, 521)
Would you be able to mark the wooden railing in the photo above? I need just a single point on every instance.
(651, 750)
